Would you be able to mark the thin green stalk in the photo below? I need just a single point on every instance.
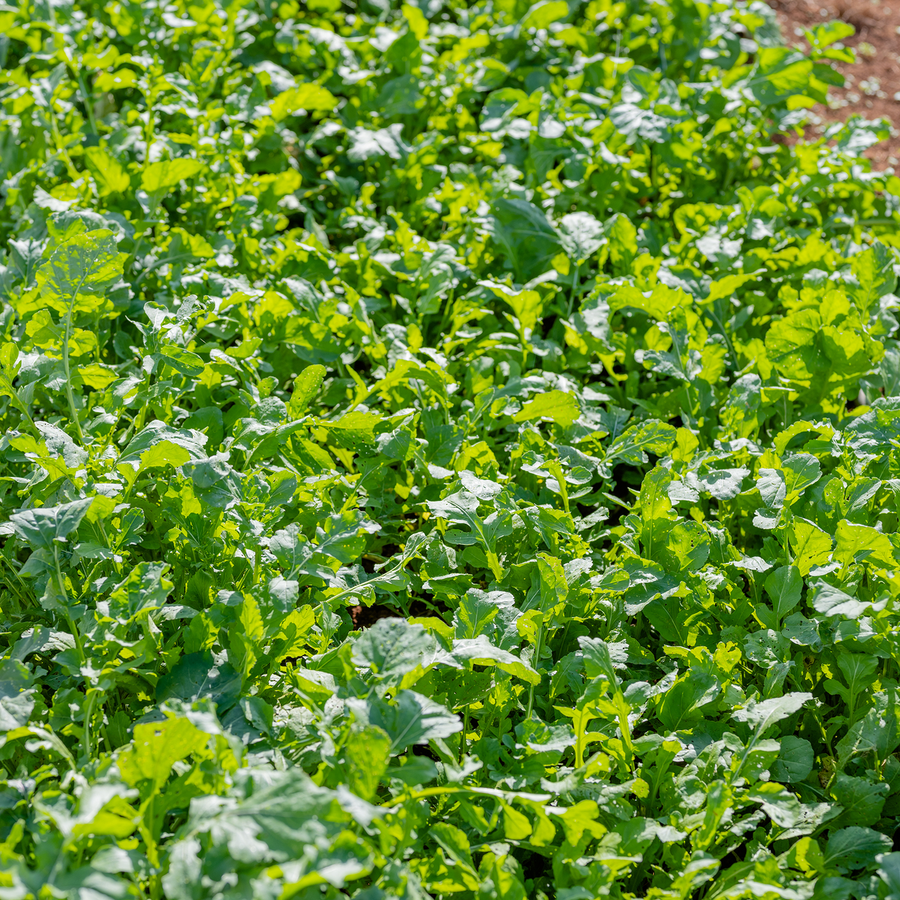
(537, 662)
(88, 99)
(61, 582)
(86, 734)
(70, 394)
(465, 731)
(23, 596)
(86, 743)
(74, 174)
(724, 332)
(627, 742)
(573, 292)
(148, 832)
(7, 389)
(747, 751)
(866, 223)
(494, 563)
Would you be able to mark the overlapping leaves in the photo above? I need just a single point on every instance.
(446, 450)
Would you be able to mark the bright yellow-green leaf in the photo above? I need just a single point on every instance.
(863, 544)
(558, 406)
(165, 453)
(97, 376)
(304, 96)
(108, 173)
(156, 747)
(162, 176)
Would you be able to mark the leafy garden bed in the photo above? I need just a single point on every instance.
(447, 450)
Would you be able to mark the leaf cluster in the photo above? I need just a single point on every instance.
(447, 449)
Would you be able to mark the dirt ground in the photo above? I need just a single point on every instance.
(872, 86)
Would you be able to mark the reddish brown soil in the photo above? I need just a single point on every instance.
(367, 616)
(873, 80)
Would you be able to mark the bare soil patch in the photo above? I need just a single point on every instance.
(873, 82)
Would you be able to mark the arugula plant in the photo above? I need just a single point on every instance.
(446, 449)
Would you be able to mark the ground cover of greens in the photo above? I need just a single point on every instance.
(446, 450)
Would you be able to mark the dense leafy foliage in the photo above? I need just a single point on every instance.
(515, 333)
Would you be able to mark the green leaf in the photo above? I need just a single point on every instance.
(622, 251)
(657, 517)
(367, 753)
(597, 660)
(889, 872)
(557, 406)
(277, 818)
(781, 73)
(784, 586)
(490, 428)
(827, 33)
(157, 432)
(801, 471)
(304, 96)
(723, 484)
(862, 544)
(144, 589)
(683, 703)
(97, 376)
(832, 601)
(392, 647)
(481, 652)
(873, 273)
(108, 173)
(162, 454)
(795, 760)
(659, 303)
(16, 695)
(525, 235)
(157, 746)
(687, 547)
(780, 805)
(544, 13)
(767, 713)
(878, 731)
(855, 847)
(46, 527)
(306, 386)
(719, 800)
(811, 546)
(196, 676)
(792, 346)
(160, 177)
(87, 264)
(636, 442)
(554, 588)
(861, 799)
(581, 235)
(456, 847)
(462, 507)
(410, 719)
(526, 305)
(353, 430)
(182, 360)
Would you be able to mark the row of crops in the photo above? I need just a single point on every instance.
(446, 450)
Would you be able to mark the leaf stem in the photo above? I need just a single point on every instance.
(494, 563)
(573, 292)
(537, 662)
(61, 582)
(70, 394)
